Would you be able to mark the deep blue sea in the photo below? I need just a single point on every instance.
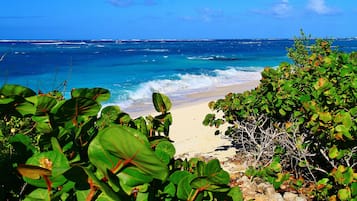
(132, 70)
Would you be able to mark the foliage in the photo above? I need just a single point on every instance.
(271, 173)
(57, 149)
(314, 100)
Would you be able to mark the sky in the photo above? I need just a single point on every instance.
(176, 19)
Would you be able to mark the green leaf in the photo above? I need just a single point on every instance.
(236, 194)
(6, 100)
(102, 197)
(322, 84)
(161, 102)
(43, 104)
(204, 183)
(325, 116)
(275, 165)
(208, 119)
(305, 98)
(23, 140)
(215, 173)
(170, 189)
(43, 124)
(38, 195)
(133, 176)
(282, 112)
(163, 156)
(26, 108)
(251, 171)
(96, 94)
(354, 189)
(72, 109)
(51, 160)
(16, 90)
(178, 175)
(101, 158)
(184, 188)
(344, 194)
(333, 152)
(103, 186)
(122, 144)
(140, 124)
(344, 118)
(167, 147)
(110, 113)
(55, 145)
(342, 129)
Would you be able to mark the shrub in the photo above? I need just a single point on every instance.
(313, 102)
(57, 149)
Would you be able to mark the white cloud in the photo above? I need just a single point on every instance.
(319, 7)
(208, 14)
(281, 9)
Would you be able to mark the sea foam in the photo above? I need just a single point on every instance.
(185, 84)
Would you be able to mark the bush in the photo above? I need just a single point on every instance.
(57, 149)
(313, 102)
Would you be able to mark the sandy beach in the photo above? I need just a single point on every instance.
(193, 139)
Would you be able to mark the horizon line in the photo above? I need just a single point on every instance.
(158, 40)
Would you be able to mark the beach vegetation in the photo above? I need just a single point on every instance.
(54, 148)
(304, 113)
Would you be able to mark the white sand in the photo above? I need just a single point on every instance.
(193, 139)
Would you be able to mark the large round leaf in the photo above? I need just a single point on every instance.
(124, 145)
(53, 161)
(97, 94)
(161, 102)
(43, 104)
(184, 188)
(133, 176)
(215, 173)
(16, 90)
(25, 108)
(75, 107)
(165, 151)
(101, 158)
(203, 183)
(43, 124)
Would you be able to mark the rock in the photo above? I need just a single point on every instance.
(261, 198)
(269, 190)
(290, 196)
(300, 199)
(276, 197)
(265, 188)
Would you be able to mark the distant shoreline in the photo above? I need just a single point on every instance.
(151, 40)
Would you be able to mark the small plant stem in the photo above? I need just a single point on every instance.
(194, 195)
(92, 191)
(22, 191)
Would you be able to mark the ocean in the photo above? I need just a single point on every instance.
(133, 69)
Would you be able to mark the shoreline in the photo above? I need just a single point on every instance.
(191, 138)
(143, 109)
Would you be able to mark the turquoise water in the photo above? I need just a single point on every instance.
(132, 70)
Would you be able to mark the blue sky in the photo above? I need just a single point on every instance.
(176, 19)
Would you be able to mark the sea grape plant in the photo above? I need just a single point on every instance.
(314, 100)
(54, 148)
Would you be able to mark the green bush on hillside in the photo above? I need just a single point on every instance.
(311, 106)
